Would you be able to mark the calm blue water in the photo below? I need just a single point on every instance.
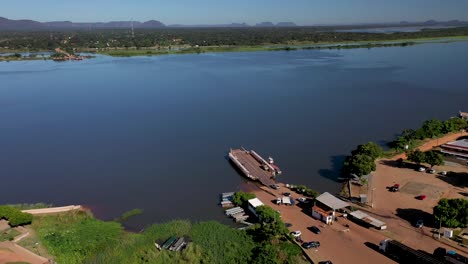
(389, 30)
(153, 132)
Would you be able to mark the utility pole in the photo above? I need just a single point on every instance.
(440, 225)
(372, 201)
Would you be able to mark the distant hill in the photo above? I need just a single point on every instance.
(26, 24)
(286, 24)
(265, 24)
(232, 25)
(19, 24)
(9, 24)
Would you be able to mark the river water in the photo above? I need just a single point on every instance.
(153, 132)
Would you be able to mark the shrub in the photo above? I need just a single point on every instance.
(241, 198)
(14, 216)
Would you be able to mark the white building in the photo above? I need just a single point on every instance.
(254, 203)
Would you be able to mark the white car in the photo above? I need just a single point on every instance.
(443, 173)
(422, 169)
(432, 171)
(303, 200)
(296, 233)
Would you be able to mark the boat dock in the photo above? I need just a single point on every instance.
(254, 166)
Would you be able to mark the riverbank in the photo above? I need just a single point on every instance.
(291, 46)
(120, 52)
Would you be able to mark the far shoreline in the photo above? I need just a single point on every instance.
(152, 51)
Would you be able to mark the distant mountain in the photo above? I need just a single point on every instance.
(430, 22)
(232, 25)
(152, 24)
(265, 24)
(9, 24)
(286, 24)
(25, 24)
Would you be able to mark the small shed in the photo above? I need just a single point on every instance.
(365, 218)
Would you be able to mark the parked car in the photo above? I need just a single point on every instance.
(278, 200)
(296, 233)
(314, 229)
(303, 200)
(395, 187)
(311, 244)
(325, 262)
(432, 171)
(421, 197)
(443, 173)
(287, 194)
(419, 223)
(422, 169)
(274, 186)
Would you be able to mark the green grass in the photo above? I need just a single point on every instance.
(125, 216)
(9, 234)
(72, 237)
(76, 237)
(26, 206)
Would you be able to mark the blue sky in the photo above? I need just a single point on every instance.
(306, 12)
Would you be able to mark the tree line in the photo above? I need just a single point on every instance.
(168, 37)
(430, 129)
(362, 160)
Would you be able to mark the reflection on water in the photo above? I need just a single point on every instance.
(153, 132)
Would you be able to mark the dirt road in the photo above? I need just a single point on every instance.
(12, 253)
(434, 143)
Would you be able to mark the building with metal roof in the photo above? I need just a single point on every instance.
(331, 201)
(254, 203)
(325, 206)
(369, 220)
(457, 148)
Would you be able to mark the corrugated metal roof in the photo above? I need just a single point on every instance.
(463, 143)
(368, 219)
(255, 202)
(331, 201)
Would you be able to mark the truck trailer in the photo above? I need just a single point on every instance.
(406, 255)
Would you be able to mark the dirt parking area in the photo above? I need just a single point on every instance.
(400, 210)
(338, 243)
(419, 188)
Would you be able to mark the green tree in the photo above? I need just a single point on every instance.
(270, 226)
(417, 156)
(14, 216)
(454, 125)
(452, 213)
(240, 198)
(267, 214)
(265, 253)
(370, 149)
(359, 165)
(433, 158)
(432, 128)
